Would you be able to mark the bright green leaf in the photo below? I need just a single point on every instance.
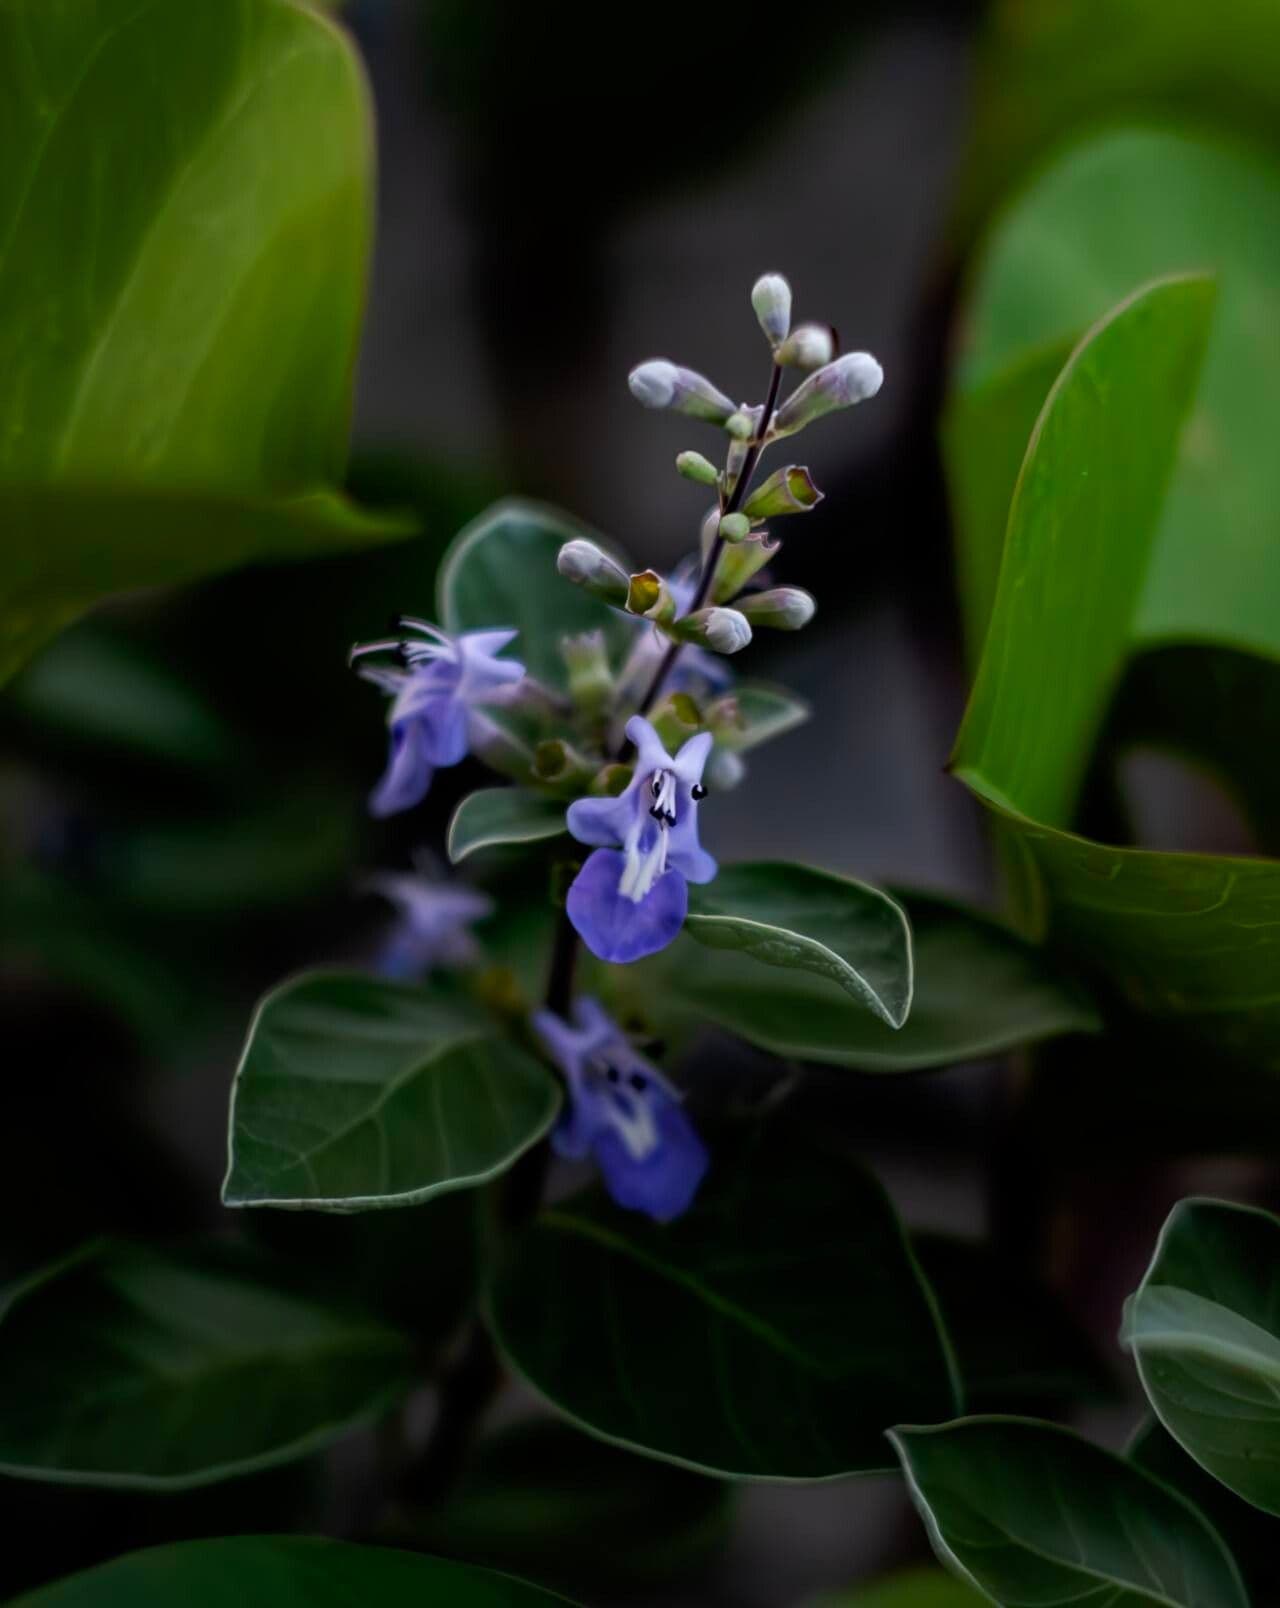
(501, 572)
(184, 233)
(979, 990)
(498, 815)
(794, 917)
(1031, 1513)
(264, 1571)
(772, 1332)
(1204, 1329)
(354, 1093)
(129, 1367)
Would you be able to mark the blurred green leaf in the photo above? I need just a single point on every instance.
(913, 1588)
(979, 990)
(185, 218)
(263, 1571)
(764, 712)
(497, 815)
(131, 1367)
(772, 1332)
(1111, 214)
(1203, 1330)
(1030, 1512)
(354, 1093)
(501, 572)
(797, 918)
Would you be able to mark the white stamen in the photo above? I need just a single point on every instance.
(631, 1118)
(644, 867)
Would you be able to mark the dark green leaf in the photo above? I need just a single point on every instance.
(913, 1588)
(773, 1332)
(185, 218)
(794, 917)
(1031, 1513)
(501, 572)
(497, 815)
(979, 990)
(264, 1571)
(355, 1093)
(129, 1367)
(1204, 1328)
(764, 712)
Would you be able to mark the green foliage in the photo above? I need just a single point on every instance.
(797, 918)
(772, 1332)
(264, 1571)
(913, 1588)
(1203, 1331)
(503, 815)
(355, 1093)
(177, 343)
(131, 1367)
(1030, 1513)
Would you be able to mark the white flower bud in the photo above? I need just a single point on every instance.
(693, 466)
(784, 608)
(809, 347)
(659, 384)
(721, 630)
(771, 298)
(585, 565)
(851, 378)
(724, 769)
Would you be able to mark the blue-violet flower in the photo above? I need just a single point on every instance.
(630, 898)
(432, 926)
(623, 1111)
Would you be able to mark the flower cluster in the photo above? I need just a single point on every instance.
(634, 748)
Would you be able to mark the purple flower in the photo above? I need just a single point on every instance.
(622, 1110)
(630, 898)
(432, 926)
(433, 698)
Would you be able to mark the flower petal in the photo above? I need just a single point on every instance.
(616, 928)
(601, 823)
(408, 774)
(664, 1183)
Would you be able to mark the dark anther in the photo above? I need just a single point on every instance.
(655, 786)
(639, 1082)
(659, 814)
(611, 1072)
(697, 792)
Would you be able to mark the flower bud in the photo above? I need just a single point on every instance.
(590, 679)
(693, 466)
(741, 425)
(808, 347)
(851, 378)
(721, 630)
(739, 563)
(560, 765)
(610, 781)
(740, 446)
(734, 527)
(648, 595)
(787, 491)
(785, 608)
(659, 384)
(708, 532)
(675, 720)
(586, 566)
(771, 298)
(724, 769)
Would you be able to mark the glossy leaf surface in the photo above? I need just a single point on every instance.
(503, 815)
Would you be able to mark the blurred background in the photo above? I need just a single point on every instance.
(182, 777)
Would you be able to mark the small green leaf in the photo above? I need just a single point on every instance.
(793, 916)
(763, 713)
(979, 990)
(773, 1332)
(128, 1367)
(913, 1588)
(1030, 1513)
(354, 1093)
(265, 1571)
(497, 815)
(1203, 1330)
(501, 572)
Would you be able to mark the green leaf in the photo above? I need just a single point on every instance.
(979, 990)
(184, 234)
(129, 1367)
(1112, 213)
(1083, 519)
(497, 815)
(764, 712)
(795, 917)
(354, 1093)
(1203, 1330)
(264, 1571)
(1030, 1513)
(912, 1588)
(501, 572)
(772, 1332)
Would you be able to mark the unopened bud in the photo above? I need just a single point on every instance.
(675, 720)
(725, 769)
(809, 347)
(659, 384)
(771, 298)
(851, 378)
(739, 447)
(708, 532)
(585, 565)
(648, 595)
(610, 781)
(785, 608)
(693, 466)
(590, 679)
(787, 491)
(721, 630)
(739, 563)
(741, 425)
(734, 527)
(560, 765)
